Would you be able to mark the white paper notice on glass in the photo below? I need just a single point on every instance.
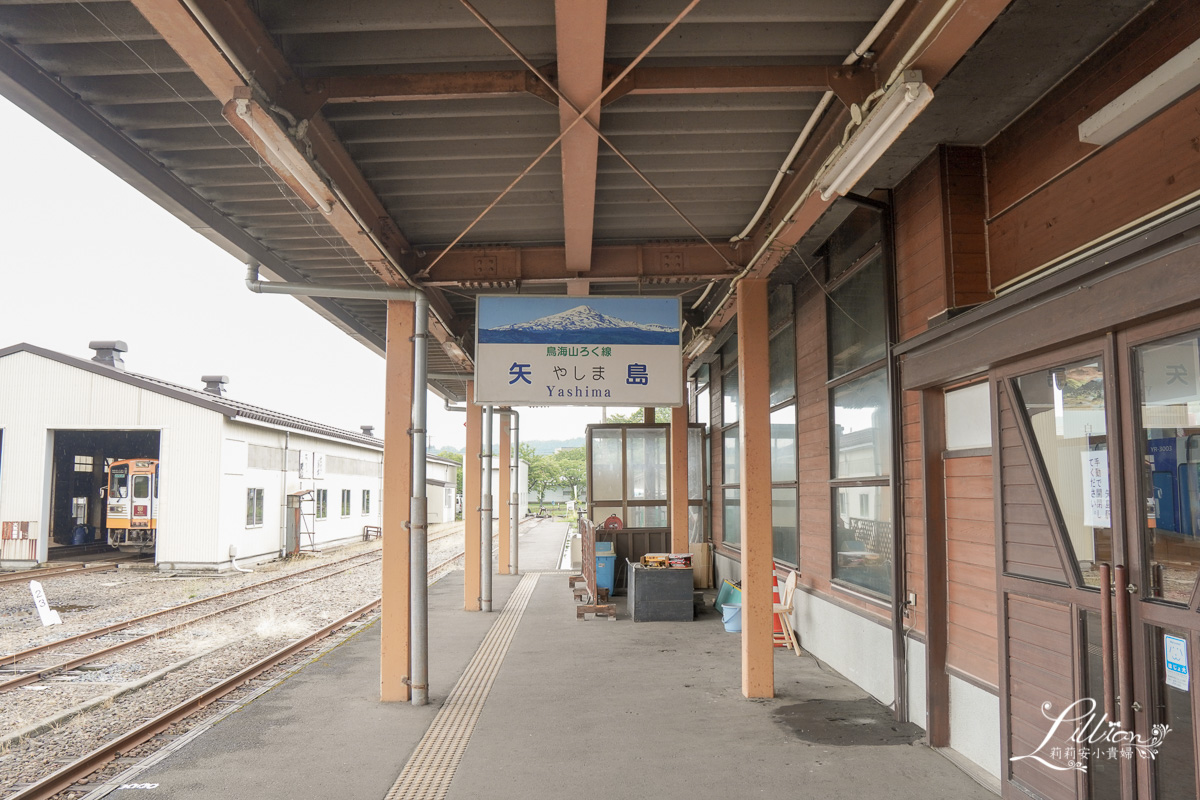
(1175, 659)
(49, 615)
(1096, 498)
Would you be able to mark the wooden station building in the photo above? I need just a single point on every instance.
(938, 260)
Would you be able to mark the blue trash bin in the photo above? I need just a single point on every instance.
(606, 566)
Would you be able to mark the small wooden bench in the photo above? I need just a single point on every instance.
(372, 532)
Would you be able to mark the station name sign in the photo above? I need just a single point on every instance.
(578, 351)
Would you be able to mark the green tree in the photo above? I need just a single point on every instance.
(571, 465)
(542, 473)
(638, 416)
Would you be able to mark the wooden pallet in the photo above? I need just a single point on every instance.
(602, 610)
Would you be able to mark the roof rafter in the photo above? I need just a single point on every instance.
(228, 48)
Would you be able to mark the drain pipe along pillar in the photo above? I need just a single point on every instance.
(404, 652)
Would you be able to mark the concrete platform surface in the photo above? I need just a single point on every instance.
(592, 708)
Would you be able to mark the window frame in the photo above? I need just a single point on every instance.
(366, 502)
(885, 484)
(254, 507)
(321, 504)
(345, 507)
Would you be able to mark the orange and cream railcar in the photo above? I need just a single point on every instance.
(132, 504)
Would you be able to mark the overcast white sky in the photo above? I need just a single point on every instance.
(84, 256)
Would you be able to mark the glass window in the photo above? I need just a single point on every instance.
(704, 406)
(731, 459)
(857, 315)
(783, 444)
(648, 517)
(606, 464)
(345, 502)
(141, 487)
(864, 541)
(733, 517)
(254, 507)
(322, 504)
(862, 435)
(1066, 412)
(783, 525)
(1169, 381)
(83, 463)
(782, 357)
(366, 501)
(730, 397)
(646, 464)
(118, 482)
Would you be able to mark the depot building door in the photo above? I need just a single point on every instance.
(1098, 502)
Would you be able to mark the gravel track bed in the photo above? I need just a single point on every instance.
(234, 642)
(201, 655)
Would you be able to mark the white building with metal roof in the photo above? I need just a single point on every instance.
(227, 468)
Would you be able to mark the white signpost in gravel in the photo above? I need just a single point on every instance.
(49, 615)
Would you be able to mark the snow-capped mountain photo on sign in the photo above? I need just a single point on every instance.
(586, 324)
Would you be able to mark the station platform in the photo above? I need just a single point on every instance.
(529, 702)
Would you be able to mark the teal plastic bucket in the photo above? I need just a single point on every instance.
(731, 615)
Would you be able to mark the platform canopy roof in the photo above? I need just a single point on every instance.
(374, 142)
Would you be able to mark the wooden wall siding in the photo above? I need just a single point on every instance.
(1044, 142)
(1039, 648)
(912, 483)
(812, 401)
(964, 203)
(1028, 538)
(920, 247)
(971, 568)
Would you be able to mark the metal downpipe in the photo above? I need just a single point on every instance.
(485, 600)
(419, 516)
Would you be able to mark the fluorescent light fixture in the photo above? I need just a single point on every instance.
(281, 151)
(699, 343)
(899, 106)
(1144, 99)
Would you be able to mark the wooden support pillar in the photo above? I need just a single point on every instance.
(472, 501)
(679, 479)
(758, 648)
(648, 415)
(395, 633)
(504, 495)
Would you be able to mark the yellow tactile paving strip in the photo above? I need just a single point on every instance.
(428, 774)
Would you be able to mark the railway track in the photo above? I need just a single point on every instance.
(36, 675)
(52, 572)
(71, 774)
(24, 655)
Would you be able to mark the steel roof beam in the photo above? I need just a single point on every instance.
(681, 261)
(579, 33)
(850, 83)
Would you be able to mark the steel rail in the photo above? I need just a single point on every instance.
(70, 774)
(33, 677)
(52, 572)
(117, 626)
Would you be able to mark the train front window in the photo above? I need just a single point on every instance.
(141, 487)
(118, 482)
(1169, 373)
